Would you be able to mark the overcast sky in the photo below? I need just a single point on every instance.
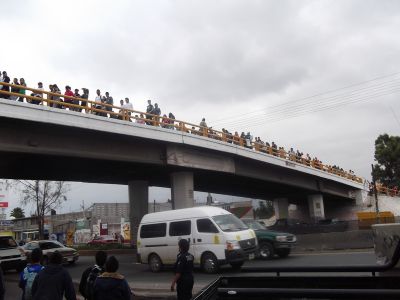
(319, 76)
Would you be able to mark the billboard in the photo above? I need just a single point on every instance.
(3, 204)
(126, 230)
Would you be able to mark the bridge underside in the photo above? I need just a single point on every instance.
(36, 150)
(45, 167)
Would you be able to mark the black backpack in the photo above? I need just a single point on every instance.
(89, 288)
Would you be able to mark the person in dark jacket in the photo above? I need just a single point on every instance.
(2, 288)
(183, 272)
(53, 282)
(5, 88)
(101, 257)
(110, 285)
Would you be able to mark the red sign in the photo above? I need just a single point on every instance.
(103, 229)
(3, 204)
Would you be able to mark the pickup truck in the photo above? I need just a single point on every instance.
(271, 242)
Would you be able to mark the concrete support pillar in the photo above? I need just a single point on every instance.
(138, 204)
(182, 190)
(316, 206)
(360, 196)
(281, 208)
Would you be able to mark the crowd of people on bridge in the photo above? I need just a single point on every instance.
(385, 190)
(78, 101)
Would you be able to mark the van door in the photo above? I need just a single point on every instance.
(152, 239)
(177, 230)
(207, 237)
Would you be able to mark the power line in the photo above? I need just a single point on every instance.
(327, 99)
(331, 101)
(309, 97)
(333, 107)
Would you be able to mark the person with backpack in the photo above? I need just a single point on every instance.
(86, 286)
(28, 275)
(111, 285)
(53, 282)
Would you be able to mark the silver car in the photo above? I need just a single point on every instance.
(70, 255)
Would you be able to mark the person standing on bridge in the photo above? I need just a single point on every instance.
(108, 100)
(129, 107)
(76, 101)
(38, 94)
(183, 272)
(70, 93)
(22, 91)
(157, 113)
(85, 96)
(14, 89)
(98, 101)
(203, 127)
(5, 88)
(149, 110)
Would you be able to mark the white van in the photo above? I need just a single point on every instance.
(216, 237)
(11, 256)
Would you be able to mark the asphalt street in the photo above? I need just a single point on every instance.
(142, 280)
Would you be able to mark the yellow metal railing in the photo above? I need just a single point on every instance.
(92, 107)
(393, 192)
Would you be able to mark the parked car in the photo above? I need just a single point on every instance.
(70, 255)
(271, 242)
(102, 240)
(11, 256)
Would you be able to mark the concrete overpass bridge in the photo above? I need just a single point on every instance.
(43, 142)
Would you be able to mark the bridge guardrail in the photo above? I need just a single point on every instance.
(93, 107)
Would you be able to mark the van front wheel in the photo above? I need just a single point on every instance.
(155, 263)
(209, 263)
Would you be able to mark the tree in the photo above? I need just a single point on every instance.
(43, 195)
(17, 213)
(387, 156)
(265, 210)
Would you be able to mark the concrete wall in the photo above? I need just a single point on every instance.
(357, 239)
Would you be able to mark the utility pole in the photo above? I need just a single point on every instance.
(376, 193)
(154, 205)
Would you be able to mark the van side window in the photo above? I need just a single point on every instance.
(205, 225)
(179, 228)
(153, 230)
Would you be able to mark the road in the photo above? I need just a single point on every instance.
(144, 281)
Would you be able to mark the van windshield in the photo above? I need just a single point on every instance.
(7, 242)
(229, 223)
